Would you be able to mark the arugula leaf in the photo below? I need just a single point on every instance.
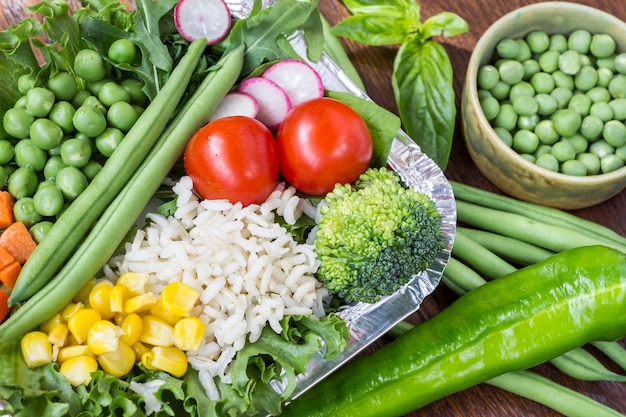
(422, 78)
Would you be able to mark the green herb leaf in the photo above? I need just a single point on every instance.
(373, 29)
(445, 24)
(379, 6)
(422, 84)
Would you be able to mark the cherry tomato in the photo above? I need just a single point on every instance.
(233, 158)
(323, 142)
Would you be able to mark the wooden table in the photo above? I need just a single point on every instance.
(375, 67)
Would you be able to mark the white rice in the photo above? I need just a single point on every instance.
(248, 269)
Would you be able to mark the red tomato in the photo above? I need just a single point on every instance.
(323, 142)
(233, 158)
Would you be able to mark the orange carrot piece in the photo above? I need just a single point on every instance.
(17, 240)
(9, 274)
(4, 304)
(5, 258)
(6, 209)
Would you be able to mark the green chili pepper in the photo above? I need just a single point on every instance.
(515, 322)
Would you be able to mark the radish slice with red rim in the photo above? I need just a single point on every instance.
(236, 103)
(300, 81)
(274, 103)
(195, 19)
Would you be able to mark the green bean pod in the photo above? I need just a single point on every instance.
(120, 216)
(515, 322)
(71, 227)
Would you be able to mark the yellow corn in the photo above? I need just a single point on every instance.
(103, 337)
(139, 349)
(100, 298)
(36, 349)
(49, 324)
(140, 303)
(77, 370)
(160, 311)
(169, 359)
(156, 331)
(70, 309)
(83, 294)
(58, 335)
(118, 362)
(80, 323)
(178, 299)
(188, 333)
(131, 325)
(73, 351)
(118, 296)
(135, 282)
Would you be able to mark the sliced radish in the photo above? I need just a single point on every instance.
(300, 81)
(274, 103)
(196, 19)
(236, 103)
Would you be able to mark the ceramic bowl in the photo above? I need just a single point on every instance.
(504, 167)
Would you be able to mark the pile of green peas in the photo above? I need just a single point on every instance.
(62, 129)
(559, 100)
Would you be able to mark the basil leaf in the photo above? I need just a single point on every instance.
(373, 29)
(422, 84)
(445, 23)
(378, 6)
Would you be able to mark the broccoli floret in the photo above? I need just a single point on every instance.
(373, 235)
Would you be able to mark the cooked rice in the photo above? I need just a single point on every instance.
(248, 269)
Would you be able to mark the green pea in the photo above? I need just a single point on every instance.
(601, 148)
(542, 150)
(22, 183)
(529, 157)
(89, 65)
(586, 78)
(482, 93)
(569, 62)
(75, 152)
(563, 80)
(505, 135)
(602, 110)
(122, 115)
(611, 163)
(489, 105)
(111, 92)
(591, 127)
(538, 41)
(63, 85)
(602, 45)
(122, 51)
(506, 118)
(24, 211)
(566, 122)
(27, 154)
(546, 132)
(39, 101)
(71, 181)
(501, 90)
(79, 98)
(528, 122)
(53, 166)
(621, 152)
(94, 102)
(549, 61)
(521, 88)
(614, 133)
(597, 94)
(137, 96)
(591, 162)
(48, 201)
(94, 87)
(91, 169)
(40, 229)
(62, 113)
(507, 48)
(17, 121)
(511, 71)
(525, 105)
(542, 82)
(579, 41)
(110, 139)
(525, 141)
(45, 134)
(558, 42)
(620, 63)
(531, 67)
(562, 96)
(89, 120)
(546, 104)
(580, 103)
(524, 52)
(617, 86)
(618, 105)
(608, 63)
(578, 142)
(574, 167)
(605, 76)
(563, 151)
(27, 81)
(548, 161)
(7, 151)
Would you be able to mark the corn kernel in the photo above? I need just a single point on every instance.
(169, 359)
(140, 303)
(80, 323)
(58, 334)
(131, 326)
(160, 311)
(119, 294)
(77, 370)
(47, 325)
(118, 362)
(73, 351)
(103, 337)
(156, 331)
(100, 298)
(83, 294)
(36, 349)
(139, 349)
(70, 309)
(178, 298)
(134, 281)
(188, 333)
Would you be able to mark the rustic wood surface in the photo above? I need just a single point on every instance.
(375, 67)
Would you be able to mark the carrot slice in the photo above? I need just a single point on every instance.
(17, 240)
(5, 258)
(6, 209)
(4, 304)
(9, 274)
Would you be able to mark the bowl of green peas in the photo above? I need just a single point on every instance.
(544, 104)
